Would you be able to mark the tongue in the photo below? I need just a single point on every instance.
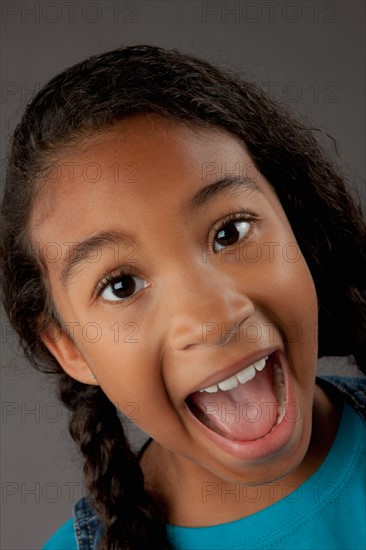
(245, 413)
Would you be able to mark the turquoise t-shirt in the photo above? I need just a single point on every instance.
(63, 539)
(325, 512)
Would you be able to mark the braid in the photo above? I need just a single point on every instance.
(112, 473)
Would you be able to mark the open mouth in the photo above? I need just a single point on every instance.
(246, 406)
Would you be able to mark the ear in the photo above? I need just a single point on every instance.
(67, 354)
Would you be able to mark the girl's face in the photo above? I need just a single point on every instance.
(175, 271)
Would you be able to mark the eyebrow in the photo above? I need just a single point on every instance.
(229, 183)
(78, 252)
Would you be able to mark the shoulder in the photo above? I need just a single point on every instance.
(63, 539)
(352, 389)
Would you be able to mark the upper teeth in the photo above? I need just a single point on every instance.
(240, 378)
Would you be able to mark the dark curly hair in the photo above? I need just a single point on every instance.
(327, 223)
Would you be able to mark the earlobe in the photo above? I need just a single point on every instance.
(67, 354)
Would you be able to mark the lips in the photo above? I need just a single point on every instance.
(245, 406)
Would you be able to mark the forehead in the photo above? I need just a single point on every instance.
(145, 151)
(132, 151)
(143, 163)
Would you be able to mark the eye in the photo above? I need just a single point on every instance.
(117, 288)
(230, 233)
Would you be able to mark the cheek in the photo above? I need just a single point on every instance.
(300, 289)
(285, 293)
(298, 319)
(119, 350)
(299, 305)
(281, 281)
(125, 365)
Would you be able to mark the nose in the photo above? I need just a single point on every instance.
(205, 309)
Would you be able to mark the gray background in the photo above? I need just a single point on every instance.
(309, 54)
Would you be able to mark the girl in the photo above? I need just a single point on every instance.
(204, 241)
